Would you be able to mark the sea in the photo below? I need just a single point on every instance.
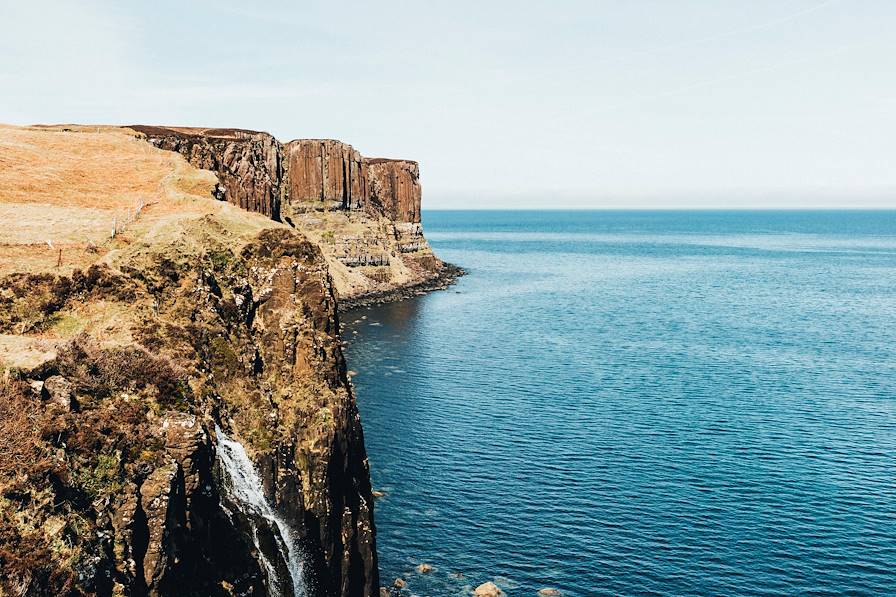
(639, 403)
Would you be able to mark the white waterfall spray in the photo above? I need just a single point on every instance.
(246, 489)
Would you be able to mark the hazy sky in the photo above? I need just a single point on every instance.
(629, 103)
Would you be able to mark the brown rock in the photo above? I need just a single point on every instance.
(394, 188)
(256, 170)
(159, 502)
(399, 583)
(325, 170)
(60, 391)
(488, 589)
(123, 522)
(424, 568)
(248, 163)
(549, 592)
(187, 442)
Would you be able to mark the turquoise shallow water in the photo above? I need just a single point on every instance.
(640, 403)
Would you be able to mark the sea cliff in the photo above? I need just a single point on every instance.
(363, 212)
(176, 415)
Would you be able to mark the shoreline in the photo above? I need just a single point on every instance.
(443, 279)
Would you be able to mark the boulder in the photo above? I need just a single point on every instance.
(60, 391)
(37, 388)
(424, 568)
(488, 589)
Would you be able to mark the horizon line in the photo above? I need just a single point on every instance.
(742, 209)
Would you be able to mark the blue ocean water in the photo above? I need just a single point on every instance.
(639, 403)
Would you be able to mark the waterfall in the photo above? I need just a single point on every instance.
(246, 491)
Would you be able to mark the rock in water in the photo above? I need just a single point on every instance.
(488, 589)
(549, 592)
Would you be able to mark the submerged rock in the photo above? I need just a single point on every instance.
(424, 568)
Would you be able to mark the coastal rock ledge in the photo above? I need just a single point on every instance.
(176, 416)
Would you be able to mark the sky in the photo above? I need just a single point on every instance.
(563, 104)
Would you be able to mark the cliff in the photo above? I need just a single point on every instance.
(326, 172)
(363, 212)
(395, 188)
(176, 417)
(247, 162)
(257, 172)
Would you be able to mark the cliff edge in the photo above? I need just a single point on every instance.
(176, 417)
(363, 212)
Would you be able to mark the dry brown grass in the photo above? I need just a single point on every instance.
(70, 187)
(21, 421)
(61, 192)
(106, 170)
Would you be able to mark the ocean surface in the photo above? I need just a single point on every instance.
(639, 403)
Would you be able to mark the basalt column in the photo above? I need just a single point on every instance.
(325, 171)
(394, 188)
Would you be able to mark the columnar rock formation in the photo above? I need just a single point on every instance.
(259, 173)
(395, 188)
(328, 171)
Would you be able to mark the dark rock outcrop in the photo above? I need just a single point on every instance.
(259, 173)
(395, 188)
(248, 163)
(242, 337)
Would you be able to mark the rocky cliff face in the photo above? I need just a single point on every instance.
(363, 212)
(248, 163)
(335, 175)
(260, 174)
(395, 188)
(325, 172)
(122, 491)
(175, 412)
